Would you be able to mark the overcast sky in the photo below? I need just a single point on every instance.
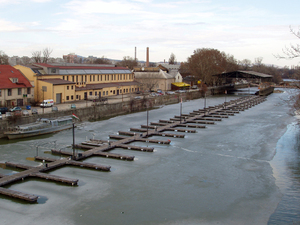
(113, 28)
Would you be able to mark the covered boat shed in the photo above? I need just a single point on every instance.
(234, 76)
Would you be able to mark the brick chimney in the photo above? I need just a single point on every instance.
(147, 57)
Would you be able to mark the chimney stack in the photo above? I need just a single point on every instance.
(147, 57)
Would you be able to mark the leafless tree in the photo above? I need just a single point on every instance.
(293, 51)
(206, 62)
(102, 60)
(37, 56)
(25, 60)
(3, 58)
(245, 64)
(148, 81)
(128, 62)
(46, 54)
(172, 59)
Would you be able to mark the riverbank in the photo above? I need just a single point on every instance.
(91, 111)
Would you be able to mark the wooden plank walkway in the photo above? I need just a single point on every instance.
(101, 148)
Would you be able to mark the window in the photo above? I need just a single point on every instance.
(28, 90)
(63, 77)
(67, 98)
(9, 92)
(91, 93)
(72, 87)
(93, 77)
(98, 77)
(67, 87)
(67, 77)
(90, 78)
(72, 97)
(103, 93)
(106, 92)
(76, 96)
(95, 93)
(19, 91)
(72, 78)
(114, 92)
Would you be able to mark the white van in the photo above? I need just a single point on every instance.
(47, 103)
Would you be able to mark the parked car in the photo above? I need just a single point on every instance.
(3, 110)
(34, 111)
(0, 116)
(25, 113)
(14, 109)
(54, 109)
(138, 97)
(170, 92)
(47, 103)
(73, 106)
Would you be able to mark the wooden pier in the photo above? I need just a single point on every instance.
(101, 148)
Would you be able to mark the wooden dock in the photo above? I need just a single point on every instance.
(101, 148)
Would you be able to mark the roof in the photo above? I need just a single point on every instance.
(106, 85)
(79, 66)
(153, 75)
(242, 72)
(7, 72)
(181, 84)
(57, 81)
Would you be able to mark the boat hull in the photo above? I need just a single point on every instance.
(17, 135)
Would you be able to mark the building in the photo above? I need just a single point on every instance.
(74, 82)
(164, 77)
(15, 88)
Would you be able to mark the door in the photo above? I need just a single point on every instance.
(58, 98)
(85, 95)
(19, 102)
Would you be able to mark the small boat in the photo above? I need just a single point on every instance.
(41, 126)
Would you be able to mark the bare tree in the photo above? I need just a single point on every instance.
(147, 80)
(245, 64)
(46, 54)
(172, 59)
(25, 60)
(102, 60)
(37, 56)
(206, 62)
(3, 58)
(128, 62)
(293, 51)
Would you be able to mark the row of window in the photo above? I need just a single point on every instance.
(111, 77)
(9, 91)
(104, 93)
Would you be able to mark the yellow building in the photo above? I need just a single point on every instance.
(72, 82)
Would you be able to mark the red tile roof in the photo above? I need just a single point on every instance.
(6, 72)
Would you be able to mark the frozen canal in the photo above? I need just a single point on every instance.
(223, 174)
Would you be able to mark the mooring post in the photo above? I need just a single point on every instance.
(73, 141)
(147, 120)
(180, 109)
